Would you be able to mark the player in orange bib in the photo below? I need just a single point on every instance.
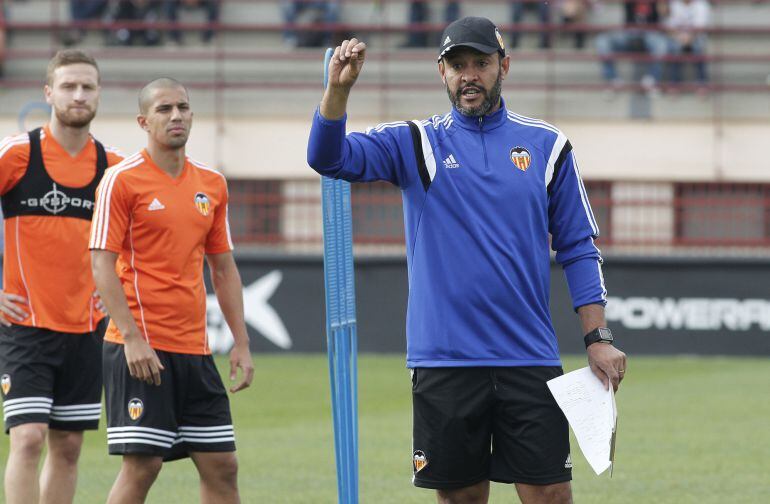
(51, 330)
(158, 215)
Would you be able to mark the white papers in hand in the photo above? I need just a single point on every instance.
(590, 411)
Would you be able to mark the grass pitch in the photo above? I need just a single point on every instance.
(690, 430)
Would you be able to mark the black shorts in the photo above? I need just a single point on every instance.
(495, 423)
(51, 377)
(188, 412)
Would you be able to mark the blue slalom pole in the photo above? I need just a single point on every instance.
(341, 335)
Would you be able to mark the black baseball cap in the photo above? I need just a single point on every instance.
(476, 32)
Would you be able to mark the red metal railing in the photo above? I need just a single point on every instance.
(634, 217)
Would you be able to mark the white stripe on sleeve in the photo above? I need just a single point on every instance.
(427, 150)
(561, 140)
(100, 228)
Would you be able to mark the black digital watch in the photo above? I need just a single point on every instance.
(599, 335)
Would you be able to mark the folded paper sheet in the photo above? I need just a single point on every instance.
(591, 412)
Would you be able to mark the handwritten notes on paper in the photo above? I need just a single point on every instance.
(591, 412)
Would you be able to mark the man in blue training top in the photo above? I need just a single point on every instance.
(483, 188)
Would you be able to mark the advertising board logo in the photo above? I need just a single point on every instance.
(258, 314)
(689, 314)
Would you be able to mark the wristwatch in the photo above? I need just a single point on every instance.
(599, 335)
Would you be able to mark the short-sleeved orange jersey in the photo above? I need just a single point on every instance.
(46, 258)
(161, 228)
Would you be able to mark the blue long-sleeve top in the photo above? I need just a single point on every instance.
(480, 196)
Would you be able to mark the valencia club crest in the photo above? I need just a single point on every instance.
(521, 158)
(135, 408)
(202, 203)
(419, 460)
(6, 384)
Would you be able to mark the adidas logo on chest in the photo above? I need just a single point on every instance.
(155, 205)
(450, 162)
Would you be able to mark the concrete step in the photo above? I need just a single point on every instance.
(402, 104)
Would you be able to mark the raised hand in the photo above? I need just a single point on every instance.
(344, 68)
(346, 64)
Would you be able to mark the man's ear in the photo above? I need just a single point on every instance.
(141, 121)
(505, 65)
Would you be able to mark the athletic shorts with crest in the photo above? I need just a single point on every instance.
(188, 412)
(488, 423)
(51, 377)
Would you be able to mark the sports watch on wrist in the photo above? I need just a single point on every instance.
(599, 335)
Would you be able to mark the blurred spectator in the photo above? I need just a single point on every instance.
(641, 35)
(419, 13)
(685, 21)
(315, 12)
(84, 10)
(137, 10)
(543, 15)
(211, 8)
(575, 12)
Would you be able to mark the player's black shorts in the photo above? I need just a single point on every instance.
(51, 377)
(188, 412)
(495, 423)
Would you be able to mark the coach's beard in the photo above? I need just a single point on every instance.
(490, 99)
